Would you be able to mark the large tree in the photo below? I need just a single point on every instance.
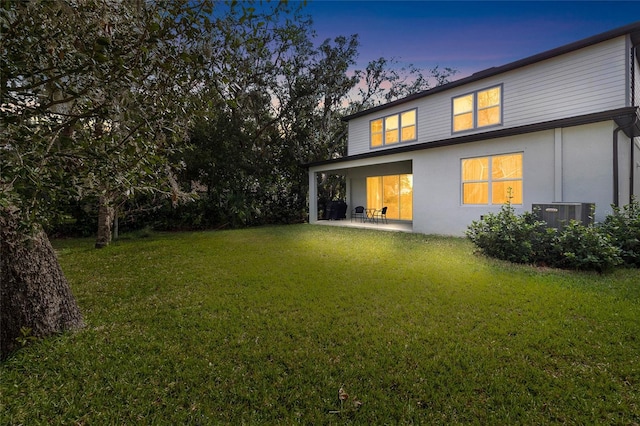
(279, 107)
(95, 96)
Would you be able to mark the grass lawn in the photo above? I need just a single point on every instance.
(266, 325)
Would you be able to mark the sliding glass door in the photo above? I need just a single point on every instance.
(394, 192)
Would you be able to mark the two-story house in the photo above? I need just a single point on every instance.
(559, 126)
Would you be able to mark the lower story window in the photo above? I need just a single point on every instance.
(495, 179)
(395, 192)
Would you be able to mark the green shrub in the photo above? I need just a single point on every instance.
(585, 248)
(508, 236)
(623, 227)
(525, 239)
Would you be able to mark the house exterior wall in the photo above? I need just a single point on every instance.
(636, 141)
(588, 80)
(570, 164)
(356, 172)
(438, 207)
(624, 168)
(588, 166)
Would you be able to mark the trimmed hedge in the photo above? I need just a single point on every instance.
(525, 239)
(624, 228)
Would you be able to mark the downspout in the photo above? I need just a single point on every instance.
(633, 103)
(632, 170)
(632, 164)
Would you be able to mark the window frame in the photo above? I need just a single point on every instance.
(398, 131)
(490, 180)
(475, 109)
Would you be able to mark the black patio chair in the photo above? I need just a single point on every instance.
(358, 212)
(380, 214)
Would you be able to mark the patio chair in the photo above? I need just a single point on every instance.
(358, 212)
(380, 214)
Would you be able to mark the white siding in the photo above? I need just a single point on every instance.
(582, 82)
(637, 81)
(358, 136)
(589, 80)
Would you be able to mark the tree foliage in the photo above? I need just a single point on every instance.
(95, 97)
(278, 106)
(281, 105)
(385, 80)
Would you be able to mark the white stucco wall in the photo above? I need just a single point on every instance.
(438, 207)
(588, 166)
(584, 164)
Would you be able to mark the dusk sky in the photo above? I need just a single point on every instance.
(467, 36)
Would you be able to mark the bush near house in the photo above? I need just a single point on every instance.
(624, 228)
(508, 236)
(525, 239)
(585, 248)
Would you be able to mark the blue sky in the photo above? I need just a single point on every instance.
(466, 35)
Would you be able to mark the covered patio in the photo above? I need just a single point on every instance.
(397, 226)
(371, 182)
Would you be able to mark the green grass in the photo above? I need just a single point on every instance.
(265, 325)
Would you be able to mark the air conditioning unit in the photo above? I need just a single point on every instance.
(558, 215)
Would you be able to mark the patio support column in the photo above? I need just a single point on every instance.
(313, 197)
(347, 183)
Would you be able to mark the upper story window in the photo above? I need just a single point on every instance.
(477, 109)
(394, 128)
(494, 179)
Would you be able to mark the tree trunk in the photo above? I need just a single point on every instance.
(105, 222)
(35, 298)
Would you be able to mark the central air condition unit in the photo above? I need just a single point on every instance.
(558, 215)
